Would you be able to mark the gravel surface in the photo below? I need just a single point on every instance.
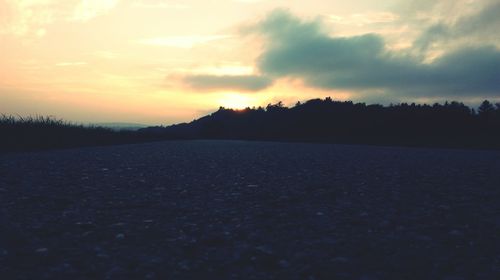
(250, 210)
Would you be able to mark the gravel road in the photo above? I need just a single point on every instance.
(250, 210)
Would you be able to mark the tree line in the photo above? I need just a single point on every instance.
(452, 124)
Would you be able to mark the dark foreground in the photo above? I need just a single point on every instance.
(243, 210)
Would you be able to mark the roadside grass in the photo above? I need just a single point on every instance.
(19, 133)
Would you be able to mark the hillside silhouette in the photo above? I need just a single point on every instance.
(451, 124)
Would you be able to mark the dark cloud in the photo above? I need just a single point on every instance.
(480, 27)
(430, 35)
(301, 49)
(227, 82)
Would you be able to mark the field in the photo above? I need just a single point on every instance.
(250, 210)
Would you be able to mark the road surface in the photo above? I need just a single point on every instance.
(250, 210)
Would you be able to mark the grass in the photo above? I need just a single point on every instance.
(45, 132)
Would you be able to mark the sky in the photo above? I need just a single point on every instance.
(167, 61)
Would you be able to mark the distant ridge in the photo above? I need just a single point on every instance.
(451, 124)
(120, 125)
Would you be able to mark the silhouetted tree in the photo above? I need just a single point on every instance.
(486, 108)
(326, 120)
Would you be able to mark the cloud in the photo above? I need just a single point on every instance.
(30, 17)
(158, 4)
(301, 49)
(364, 18)
(22, 17)
(65, 64)
(89, 9)
(229, 69)
(105, 54)
(432, 11)
(182, 41)
(250, 1)
(247, 83)
(481, 26)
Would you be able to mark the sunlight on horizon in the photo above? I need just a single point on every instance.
(237, 101)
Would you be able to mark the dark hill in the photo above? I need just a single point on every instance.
(448, 125)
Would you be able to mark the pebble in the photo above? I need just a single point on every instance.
(115, 271)
(61, 267)
(340, 260)
(456, 233)
(283, 198)
(83, 223)
(264, 249)
(453, 277)
(42, 250)
(444, 207)
(284, 263)
(184, 265)
(423, 238)
(369, 277)
(384, 223)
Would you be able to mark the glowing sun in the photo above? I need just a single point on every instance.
(235, 101)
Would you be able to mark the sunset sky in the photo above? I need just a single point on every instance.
(163, 62)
